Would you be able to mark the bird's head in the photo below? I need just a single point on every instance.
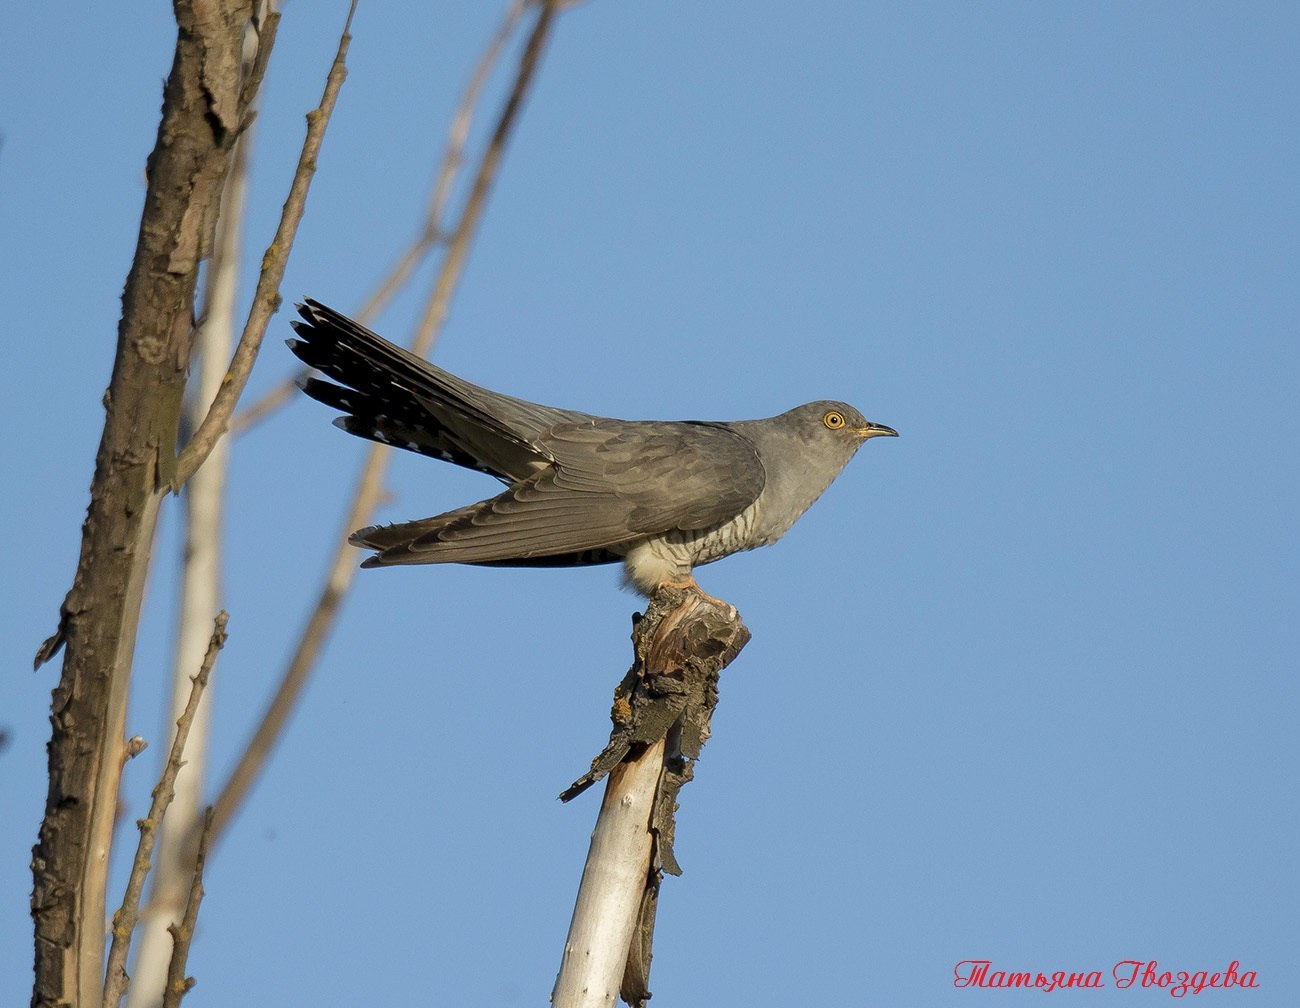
(829, 422)
(842, 420)
(818, 436)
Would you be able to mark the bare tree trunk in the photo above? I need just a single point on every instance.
(204, 105)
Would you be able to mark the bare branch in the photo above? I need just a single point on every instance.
(370, 480)
(266, 298)
(451, 163)
(319, 624)
(124, 920)
(458, 248)
(204, 109)
(425, 242)
(200, 593)
(178, 984)
(613, 880)
(268, 405)
(662, 711)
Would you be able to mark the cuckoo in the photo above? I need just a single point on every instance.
(661, 497)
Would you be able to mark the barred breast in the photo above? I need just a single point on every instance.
(670, 557)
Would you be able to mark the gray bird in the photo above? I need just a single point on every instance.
(662, 497)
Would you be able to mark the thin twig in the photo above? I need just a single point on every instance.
(124, 920)
(268, 405)
(178, 984)
(342, 570)
(266, 298)
(370, 480)
(427, 239)
(436, 309)
(452, 160)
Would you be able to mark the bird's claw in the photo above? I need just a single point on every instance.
(688, 583)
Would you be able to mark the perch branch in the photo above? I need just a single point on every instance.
(661, 714)
(613, 881)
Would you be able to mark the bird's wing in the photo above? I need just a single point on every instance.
(669, 475)
(613, 482)
(394, 397)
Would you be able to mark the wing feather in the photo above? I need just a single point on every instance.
(612, 483)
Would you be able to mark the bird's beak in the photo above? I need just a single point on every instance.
(875, 430)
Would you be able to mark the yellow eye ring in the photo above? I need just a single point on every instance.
(833, 420)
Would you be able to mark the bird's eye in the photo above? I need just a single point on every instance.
(833, 420)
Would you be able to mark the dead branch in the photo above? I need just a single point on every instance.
(662, 711)
(452, 159)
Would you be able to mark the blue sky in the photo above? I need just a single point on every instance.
(1022, 685)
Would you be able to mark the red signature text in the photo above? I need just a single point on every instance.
(1125, 974)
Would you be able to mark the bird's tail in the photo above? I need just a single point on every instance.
(390, 395)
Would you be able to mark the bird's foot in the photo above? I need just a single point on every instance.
(688, 583)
